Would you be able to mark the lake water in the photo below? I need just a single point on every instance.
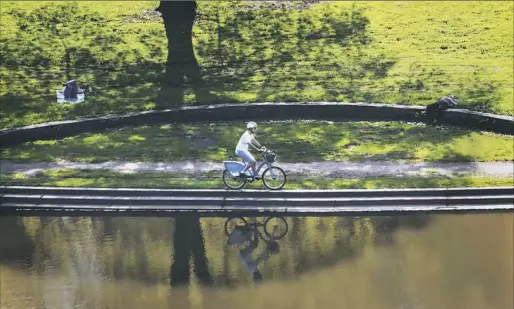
(457, 261)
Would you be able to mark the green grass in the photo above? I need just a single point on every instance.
(294, 141)
(91, 178)
(393, 52)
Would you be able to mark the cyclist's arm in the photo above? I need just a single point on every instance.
(257, 146)
(254, 147)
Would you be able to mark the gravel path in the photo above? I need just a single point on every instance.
(326, 168)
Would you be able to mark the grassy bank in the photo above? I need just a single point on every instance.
(295, 141)
(91, 178)
(392, 52)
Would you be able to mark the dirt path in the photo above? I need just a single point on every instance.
(326, 168)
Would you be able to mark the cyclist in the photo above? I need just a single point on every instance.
(248, 139)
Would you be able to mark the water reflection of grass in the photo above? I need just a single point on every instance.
(294, 141)
(93, 178)
(454, 262)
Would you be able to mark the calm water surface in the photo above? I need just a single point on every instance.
(415, 261)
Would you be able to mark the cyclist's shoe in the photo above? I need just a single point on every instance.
(257, 177)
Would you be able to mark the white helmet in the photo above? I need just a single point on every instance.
(251, 125)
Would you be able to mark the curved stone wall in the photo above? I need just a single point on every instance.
(256, 111)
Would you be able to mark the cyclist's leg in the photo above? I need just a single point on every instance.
(241, 156)
(247, 158)
(251, 161)
(253, 166)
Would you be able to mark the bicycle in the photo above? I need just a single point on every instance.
(275, 228)
(268, 177)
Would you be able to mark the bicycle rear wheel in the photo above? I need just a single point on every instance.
(232, 222)
(233, 182)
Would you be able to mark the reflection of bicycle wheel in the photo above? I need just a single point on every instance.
(275, 227)
(231, 223)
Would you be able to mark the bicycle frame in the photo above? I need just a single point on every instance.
(258, 168)
(258, 226)
(255, 226)
(234, 167)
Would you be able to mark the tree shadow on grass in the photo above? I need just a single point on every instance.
(121, 80)
(284, 54)
(252, 52)
(382, 140)
(294, 141)
(483, 97)
(57, 42)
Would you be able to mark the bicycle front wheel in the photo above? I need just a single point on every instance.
(274, 178)
(275, 227)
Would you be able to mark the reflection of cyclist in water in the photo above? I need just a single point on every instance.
(240, 236)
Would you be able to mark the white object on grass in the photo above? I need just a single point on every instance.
(61, 99)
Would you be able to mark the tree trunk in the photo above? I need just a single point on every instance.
(178, 18)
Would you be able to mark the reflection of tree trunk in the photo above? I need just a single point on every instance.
(108, 227)
(295, 229)
(198, 250)
(180, 266)
(226, 267)
(298, 229)
(15, 244)
(187, 240)
(414, 221)
(178, 18)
